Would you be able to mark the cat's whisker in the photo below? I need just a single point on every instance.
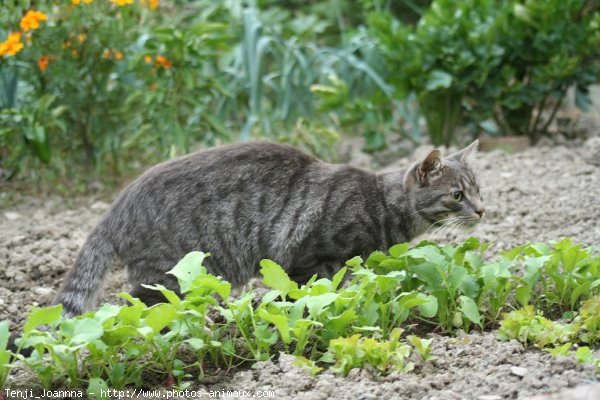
(430, 226)
(435, 224)
(457, 227)
(441, 228)
(445, 225)
(454, 226)
(444, 222)
(447, 219)
(450, 225)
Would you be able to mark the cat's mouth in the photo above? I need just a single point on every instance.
(471, 222)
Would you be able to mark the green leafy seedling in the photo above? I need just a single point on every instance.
(307, 364)
(276, 278)
(188, 269)
(5, 354)
(423, 346)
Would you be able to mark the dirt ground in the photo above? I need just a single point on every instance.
(542, 194)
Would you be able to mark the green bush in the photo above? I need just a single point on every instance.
(478, 61)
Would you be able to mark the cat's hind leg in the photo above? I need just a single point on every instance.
(139, 275)
(149, 297)
(304, 273)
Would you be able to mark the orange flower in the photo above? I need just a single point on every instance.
(12, 45)
(148, 59)
(77, 2)
(122, 2)
(163, 62)
(32, 19)
(44, 61)
(116, 54)
(82, 37)
(153, 4)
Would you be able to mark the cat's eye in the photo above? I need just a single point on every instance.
(457, 195)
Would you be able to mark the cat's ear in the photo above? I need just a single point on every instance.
(466, 154)
(430, 166)
(421, 172)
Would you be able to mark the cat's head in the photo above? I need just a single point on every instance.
(444, 190)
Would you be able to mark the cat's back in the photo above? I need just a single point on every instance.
(250, 160)
(217, 172)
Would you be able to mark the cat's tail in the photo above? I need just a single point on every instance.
(83, 282)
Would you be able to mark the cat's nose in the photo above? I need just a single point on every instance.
(480, 212)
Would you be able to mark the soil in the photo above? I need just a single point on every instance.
(541, 194)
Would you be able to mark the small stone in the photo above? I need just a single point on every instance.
(367, 396)
(489, 397)
(590, 151)
(11, 215)
(99, 205)
(354, 373)
(518, 371)
(42, 291)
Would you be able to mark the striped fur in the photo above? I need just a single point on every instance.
(246, 202)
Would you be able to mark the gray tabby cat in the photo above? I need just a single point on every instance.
(246, 202)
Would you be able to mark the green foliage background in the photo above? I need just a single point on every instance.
(239, 71)
(300, 72)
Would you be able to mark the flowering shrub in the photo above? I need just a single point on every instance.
(94, 78)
